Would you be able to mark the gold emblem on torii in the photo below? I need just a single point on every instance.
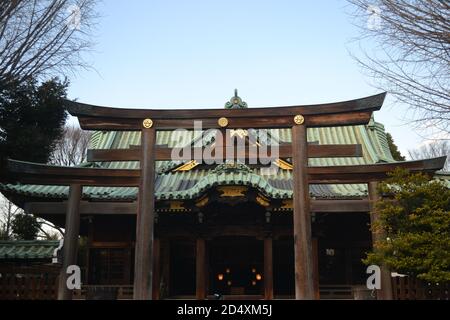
(147, 123)
(222, 122)
(299, 119)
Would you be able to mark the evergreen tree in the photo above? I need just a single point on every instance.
(32, 116)
(394, 149)
(415, 216)
(25, 227)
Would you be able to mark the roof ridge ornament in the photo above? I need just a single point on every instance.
(231, 166)
(236, 102)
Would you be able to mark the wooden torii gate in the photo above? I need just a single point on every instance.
(148, 122)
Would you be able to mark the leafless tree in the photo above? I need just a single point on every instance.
(44, 37)
(71, 149)
(7, 212)
(434, 149)
(405, 46)
(49, 231)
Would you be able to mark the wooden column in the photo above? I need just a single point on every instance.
(72, 230)
(143, 273)
(165, 272)
(348, 265)
(385, 293)
(156, 269)
(200, 278)
(90, 239)
(128, 262)
(315, 250)
(304, 267)
(268, 268)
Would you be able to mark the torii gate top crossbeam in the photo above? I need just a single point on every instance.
(352, 112)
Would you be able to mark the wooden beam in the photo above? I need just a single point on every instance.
(281, 151)
(334, 150)
(371, 172)
(104, 155)
(340, 119)
(129, 177)
(143, 270)
(268, 268)
(282, 121)
(385, 293)
(352, 112)
(71, 233)
(200, 270)
(110, 244)
(304, 268)
(183, 231)
(34, 173)
(78, 109)
(130, 208)
(340, 206)
(86, 208)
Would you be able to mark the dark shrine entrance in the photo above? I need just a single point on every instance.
(236, 266)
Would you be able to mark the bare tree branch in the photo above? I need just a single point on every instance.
(7, 212)
(41, 38)
(48, 234)
(433, 149)
(405, 47)
(71, 149)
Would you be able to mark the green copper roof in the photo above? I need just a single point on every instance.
(10, 250)
(191, 184)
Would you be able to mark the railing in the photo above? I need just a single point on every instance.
(336, 292)
(104, 292)
(119, 292)
(403, 289)
(17, 286)
(407, 288)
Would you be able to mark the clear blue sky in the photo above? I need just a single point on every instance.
(192, 54)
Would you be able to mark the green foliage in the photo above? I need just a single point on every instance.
(31, 119)
(415, 216)
(25, 227)
(394, 149)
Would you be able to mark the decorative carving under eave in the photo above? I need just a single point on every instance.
(231, 166)
(202, 202)
(261, 200)
(232, 191)
(287, 204)
(177, 206)
(187, 166)
(284, 164)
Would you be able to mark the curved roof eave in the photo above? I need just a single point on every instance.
(371, 103)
